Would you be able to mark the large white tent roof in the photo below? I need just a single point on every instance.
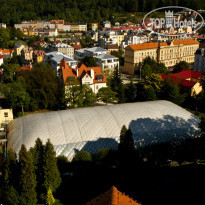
(97, 127)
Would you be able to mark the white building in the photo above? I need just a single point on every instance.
(199, 61)
(95, 51)
(107, 62)
(66, 27)
(1, 60)
(106, 24)
(54, 59)
(64, 49)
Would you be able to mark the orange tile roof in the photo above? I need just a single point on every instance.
(25, 68)
(114, 197)
(5, 51)
(82, 71)
(156, 45)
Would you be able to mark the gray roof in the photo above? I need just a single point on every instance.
(96, 49)
(98, 127)
(105, 56)
(17, 45)
(57, 57)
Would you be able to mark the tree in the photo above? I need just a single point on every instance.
(82, 156)
(171, 92)
(10, 195)
(50, 199)
(89, 61)
(130, 92)
(107, 95)
(178, 67)
(102, 154)
(10, 70)
(52, 177)
(27, 181)
(37, 152)
(17, 94)
(117, 86)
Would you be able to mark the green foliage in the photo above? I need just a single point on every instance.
(17, 94)
(81, 96)
(10, 196)
(82, 156)
(52, 177)
(43, 86)
(89, 61)
(10, 70)
(117, 86)
(27, 181)
(50, 199)
(178, 67)
(102, 154)
(130, 92)
(171, 92)
(62, 162)
(107, 95)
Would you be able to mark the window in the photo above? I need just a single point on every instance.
(6, 114)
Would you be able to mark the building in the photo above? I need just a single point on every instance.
(112, 197)
(18, 48)
(2, 25)
(106, 24)
(188, 79)
(199, 61)
(78, 27)
(54, 59)
(64, 49)
(57, 24)
(168, 53)
(94, 128)
(94, 26)
(38, 55)
(27, 55)
(91, 76)
(94, 52)
(112, 47)
(66, 27)
(6, 115)
(107, 62)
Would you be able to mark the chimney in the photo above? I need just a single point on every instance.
(92, 73)
(77, 72)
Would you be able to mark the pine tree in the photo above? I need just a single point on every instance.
(52, 177)
(37, 153)
(27, 181)
(50, 199)
(117, 85)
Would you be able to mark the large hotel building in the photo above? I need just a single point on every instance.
(168, 53)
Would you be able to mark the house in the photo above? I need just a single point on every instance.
(91, 76)
(66, 27)
(169, 53)
(18, 48)
(27, 55)
(94, 26)
(6, 115)
(107, 62)
(78, 27)
(64, 48)
(57, 24)
(54, 59)
(199, 61)
(24, 68)
(106, 24)
(77, 47)
(112, 197)
(38, 55)
(112, 47)
(94, 52)
(188, 79)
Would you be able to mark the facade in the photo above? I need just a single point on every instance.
(91, 76)
(66, 27)
(65, 49)
(94, 128)
(27, 55)
(112, 197)
(38, 55)
(112, 47)
(107, 62)
(6, 115)
(106, 24)
(78, 27)
(168, 53)
(199, 61)
(54, 59)
(94, 26)
(18, 48)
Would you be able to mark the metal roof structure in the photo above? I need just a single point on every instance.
(93, 128)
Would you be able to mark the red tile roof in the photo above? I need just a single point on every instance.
(25, 68)
(77, 47)
(1, 56)
(113, 197)
(186, 74)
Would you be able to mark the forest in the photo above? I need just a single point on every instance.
(14, 11)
